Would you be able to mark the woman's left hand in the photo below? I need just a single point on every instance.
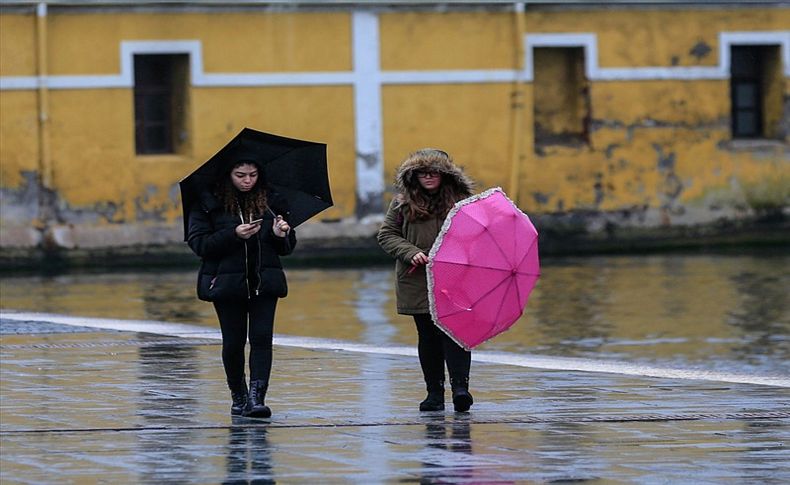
(280, 227)
(419, 259)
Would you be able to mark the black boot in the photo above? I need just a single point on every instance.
(435, 399)
(255, 406)
(462, 400)
(238, 393)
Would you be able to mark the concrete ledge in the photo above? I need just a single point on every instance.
(354, 242)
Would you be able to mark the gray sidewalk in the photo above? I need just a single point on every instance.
(122, 407)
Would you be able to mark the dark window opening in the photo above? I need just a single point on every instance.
(756, 91)
(561, 97)
(160, 102)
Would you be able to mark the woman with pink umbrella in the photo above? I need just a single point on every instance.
(428, 185)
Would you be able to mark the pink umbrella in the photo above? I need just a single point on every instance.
(482, 268)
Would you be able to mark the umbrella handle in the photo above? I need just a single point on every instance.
(447, 294)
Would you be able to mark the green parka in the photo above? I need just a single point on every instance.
(402, 239)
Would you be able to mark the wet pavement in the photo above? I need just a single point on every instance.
(110, 406)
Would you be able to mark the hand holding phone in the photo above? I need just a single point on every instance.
(245, 231)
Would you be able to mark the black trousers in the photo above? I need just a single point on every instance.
(435, 349)
(238, 320)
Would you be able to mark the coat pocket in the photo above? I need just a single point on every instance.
(228, 286)
(205, 283)
(273, 282)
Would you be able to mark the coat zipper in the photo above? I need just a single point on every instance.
(258, 269)
(246, 261)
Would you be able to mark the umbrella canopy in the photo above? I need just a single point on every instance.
(482, 268)
(295, 169)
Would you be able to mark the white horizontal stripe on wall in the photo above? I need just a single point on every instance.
(449, 76)
(589, 42)
(586, 41)
(276, 79)
(9, 83)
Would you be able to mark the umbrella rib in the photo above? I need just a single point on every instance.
(282, 155)
(470, 265)
(529, 250)
(498, 311)
(488, 232)
(496, 243)
(518, 293)
(450, 314)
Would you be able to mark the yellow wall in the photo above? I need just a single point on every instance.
(654, 145)
(18, 109)
(773, 94)
(662, 145)
(471, 122)
(232, 42)
(97, 175)
(19, 143)
(648, 38)
(426, 40)
(17, 45)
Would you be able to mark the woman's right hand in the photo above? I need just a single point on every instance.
(246, 231)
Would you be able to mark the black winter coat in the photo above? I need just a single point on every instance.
(224, 273)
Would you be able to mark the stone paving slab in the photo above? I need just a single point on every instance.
(122, 407)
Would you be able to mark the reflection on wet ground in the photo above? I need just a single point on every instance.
(121, 407)
(726, 313)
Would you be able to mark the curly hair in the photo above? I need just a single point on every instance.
(251, 204)
(422, 205)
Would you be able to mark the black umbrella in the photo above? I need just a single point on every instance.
(294, 169)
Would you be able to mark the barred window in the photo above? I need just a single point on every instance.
(561, 97)
(160, 98)
(756, 91)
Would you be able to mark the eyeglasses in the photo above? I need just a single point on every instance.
(424, 174)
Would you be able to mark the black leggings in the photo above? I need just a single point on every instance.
(435, 348)
(233, 317)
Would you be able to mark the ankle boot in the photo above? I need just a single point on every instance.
(462, 400)
(238, 393)
(435, 399)
(255, 406)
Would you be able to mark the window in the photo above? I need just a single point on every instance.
(160, 103)
(755, 91)
(561, 97)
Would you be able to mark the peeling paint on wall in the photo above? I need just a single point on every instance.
(700, 50)
(151, 206)
(20, 205)
(370, 194)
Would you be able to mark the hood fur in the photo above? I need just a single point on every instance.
(434, 160)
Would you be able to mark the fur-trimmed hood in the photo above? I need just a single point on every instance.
(434, 160)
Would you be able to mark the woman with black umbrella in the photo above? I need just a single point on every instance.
(239, 233)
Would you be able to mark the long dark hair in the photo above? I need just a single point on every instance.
(251, 204)
(423, 205)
